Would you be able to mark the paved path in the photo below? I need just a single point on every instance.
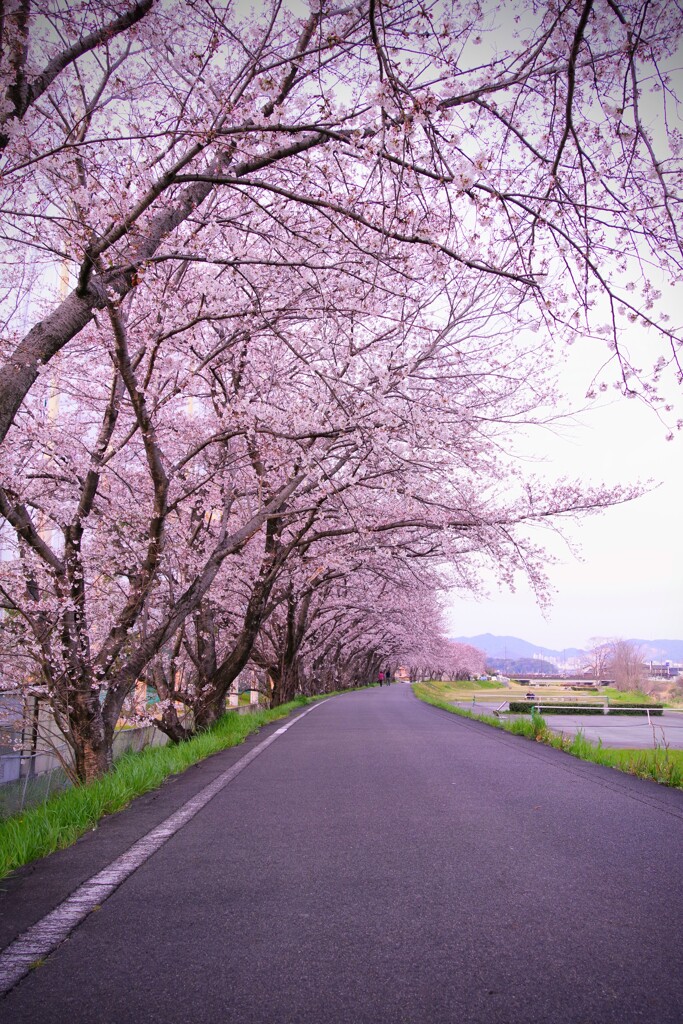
(380, 862)
(625, 731)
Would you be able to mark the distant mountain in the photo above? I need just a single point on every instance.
(513, 648)
(662, 650)
(522, 666)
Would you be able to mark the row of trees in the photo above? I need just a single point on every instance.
(277, 291)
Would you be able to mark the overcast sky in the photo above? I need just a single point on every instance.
(630, 580)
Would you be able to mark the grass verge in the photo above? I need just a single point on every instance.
(626, 696)
(59, 822)
(658, 763)
(470, 685)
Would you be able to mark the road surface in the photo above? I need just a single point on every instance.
(383, 862)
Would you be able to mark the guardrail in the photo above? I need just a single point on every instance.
(573, 708)
(610, 709)
(483, 697)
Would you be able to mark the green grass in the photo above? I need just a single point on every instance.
(460, 686)
(473, 684)
(626, 696)
(59, 822)
(658, 763)
(649, 764)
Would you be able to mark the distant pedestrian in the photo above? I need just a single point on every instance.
(387, 676)
(380, 677)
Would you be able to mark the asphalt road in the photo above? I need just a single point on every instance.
(381, 862)
(624, 730)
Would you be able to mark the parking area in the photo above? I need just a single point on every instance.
(612, 730)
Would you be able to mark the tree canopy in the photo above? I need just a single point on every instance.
(278, 287)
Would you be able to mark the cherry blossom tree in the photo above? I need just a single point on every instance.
(534, 162)
(125, 507)
(277, 290)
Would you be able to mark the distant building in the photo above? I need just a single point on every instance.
(666, 670)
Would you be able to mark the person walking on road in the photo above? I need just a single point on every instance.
(387, 676)
(380, 677)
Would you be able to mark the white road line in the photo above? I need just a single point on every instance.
(43, 937)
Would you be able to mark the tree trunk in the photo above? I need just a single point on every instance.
(207, 714)
(286, 684)
(92, 752)
(171, 726)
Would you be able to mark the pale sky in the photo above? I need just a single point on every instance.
(630, 582)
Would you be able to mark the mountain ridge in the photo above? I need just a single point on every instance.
(513, 647)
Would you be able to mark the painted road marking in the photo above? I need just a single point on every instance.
(43, 937)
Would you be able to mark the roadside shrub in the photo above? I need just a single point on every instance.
(518, 707)
(624, 709)
(571, 709)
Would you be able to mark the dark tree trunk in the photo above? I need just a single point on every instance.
(286, 684)
(90, 739)
(92, 759)
(171, 726)
(209, 712)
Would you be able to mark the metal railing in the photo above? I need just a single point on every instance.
(625, 709)
(573, 708)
